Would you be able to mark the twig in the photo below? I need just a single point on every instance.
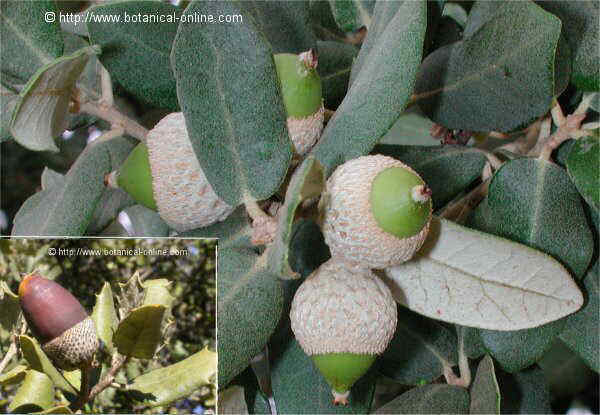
(84, 390)
(118, 361)
(106, 85)
(458, 210)
(10, 353)
(115, 118)
(524, 144)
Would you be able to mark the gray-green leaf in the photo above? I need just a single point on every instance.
(105, 316)
(428, 399)
(485, 394)
(229, 93)
(584, 169)
(250, 300)
(483, 82)
(380, 91)
(42, 112)
(351, 15)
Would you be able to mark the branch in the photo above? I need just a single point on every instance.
(115, 118)
(11, 352)
(458, 210)
(118, 361)
(84, 390)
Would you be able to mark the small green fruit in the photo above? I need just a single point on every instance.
(375, 211)
(165, 175)
(302, 96)
(343, 317)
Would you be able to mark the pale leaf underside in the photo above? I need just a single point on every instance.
(475, 279)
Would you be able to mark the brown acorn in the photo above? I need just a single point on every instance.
(58, 321)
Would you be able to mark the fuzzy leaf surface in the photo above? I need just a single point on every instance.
(36, 393)
(299, 387)
(28, 41)
(155, 388)
(584, 169)
(42, 112)
(418, 350)
(236, 121)
(351, 15)
(233, 232)
(137, 53)
(442, 399)
(485, 395)
(307, 182)
(379, 93)
(105, 317)
(479, 280)
(335, 63)
(9, 99)
(524, 392)
(580, 25)
(66, 211)
(499, 77)
(250, 301)
(447, 170)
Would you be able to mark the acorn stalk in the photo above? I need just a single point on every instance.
(59, 322)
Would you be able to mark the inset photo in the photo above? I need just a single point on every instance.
(108, 326)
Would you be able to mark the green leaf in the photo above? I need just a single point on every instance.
(581, 333)
(157, 292)
(37, 359)
(136, 53)
(534, 202)
(584, 170)
(139, 334)
(580, 26)
(15, 375)
(137, 221)
(229, 92)
(335, 63)
(383, 13)
(485, 395)
(483, 82)
(308, 249)
(419, 349)
(411, 128)
(351, 15)
(35, 394)
(51, 178)
(299, 387)
(233, 232)
(105, 317)
(11, 309)
(167, 384)
(8, 101)
(110, 204)
(442, 399)
(475, 279)
(42, 112)
(447, 170)
(250, 301)
(28, 41)
(61, 409)
(285, 24)
(524, 392)
(307, 182)
(66, 211)
(387, 77)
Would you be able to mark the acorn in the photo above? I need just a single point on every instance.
(375, 212)
(343, 317)
(58, 321)
(302, 96)
(164, 175)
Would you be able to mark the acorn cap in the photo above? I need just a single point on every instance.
(349, 225)
(343, 309)
(304, 132)
(183, 195)
(58, 321)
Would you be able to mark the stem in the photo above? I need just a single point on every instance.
(106, 85)
(463, 360)
(10, 353)
(117, 363)
(84, 390)
(115, 118)
(458, 210)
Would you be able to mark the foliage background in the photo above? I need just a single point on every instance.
(193, 278)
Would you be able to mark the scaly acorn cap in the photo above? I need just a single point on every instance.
(375, 212)
(171, 181)
(301, 90)
(343, 316)
(59, 322)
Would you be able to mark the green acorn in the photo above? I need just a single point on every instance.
(165, 175)
(343, 317)
(58, 321)
(302, 96)
(375, 211)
